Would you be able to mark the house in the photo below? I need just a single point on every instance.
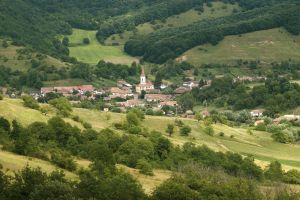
(258, 122)
(191, 84)
(205, 113)
(257, 113)
(82, 89)
(182, 90)
(168, 103)
(121, 93)
(122, 83)
(144, 84)
(132, 103)
(189, 114)
(289, 118)
(157, 97)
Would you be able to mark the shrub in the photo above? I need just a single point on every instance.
(145, 167)
(86, 41)
(209, 130)
(1, 97)
(30, 102)
(63, 160)
(185, 130)
(87, 125)
(119, 126)
(76, 118)
(62, 105)
(179, 122)
(221, 134)
(134, 130)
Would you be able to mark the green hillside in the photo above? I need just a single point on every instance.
(217, 9)
(260, 144)
(267, 46)
(94, 52)
(12, 163)
(18, 58)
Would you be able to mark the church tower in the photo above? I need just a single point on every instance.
(143, 77)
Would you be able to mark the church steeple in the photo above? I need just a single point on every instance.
(143, 77)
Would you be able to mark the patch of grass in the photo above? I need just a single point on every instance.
(267, 46)
(182, 19)
(94, 52)
(12, 162)
(149, 183)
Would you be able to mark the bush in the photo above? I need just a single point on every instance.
(185, 130)
(209, 130)
(145, 167)
(119, 126)
(87, 125)
(30, 102)
(134, 130)
(1, 97)
(62, 105)
(179, 122)
(86, 41)
(221, 134)
(63, 160)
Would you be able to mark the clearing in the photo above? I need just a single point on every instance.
(93, 52)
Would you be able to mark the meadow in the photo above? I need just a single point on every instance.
(93, 52)
(267, 46)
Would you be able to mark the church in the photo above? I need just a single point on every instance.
(144, 84)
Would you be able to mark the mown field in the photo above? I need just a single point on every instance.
(218, 9)
(267, 46)
(236, 139)
(94, 52)
(9, 57)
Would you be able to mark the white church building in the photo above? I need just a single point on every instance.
(144, 84)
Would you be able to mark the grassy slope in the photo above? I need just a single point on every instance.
(218, 9)
(94, 52)
(267, 46)
(12, 162)
(15, 63)
(260, 144)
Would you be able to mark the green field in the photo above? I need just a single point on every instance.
(94, 52)
(260, 144)
(218, 9)
(9, 57)
(267, 46)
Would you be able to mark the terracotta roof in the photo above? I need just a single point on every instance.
(157, 97)
(116, 90)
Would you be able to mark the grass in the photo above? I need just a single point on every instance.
(13, 163)
(236, 139)
(94, 52)
(267, 46)
(9, 57)
(149, 183)
(218, 9)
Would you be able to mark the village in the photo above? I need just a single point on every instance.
(125, 96)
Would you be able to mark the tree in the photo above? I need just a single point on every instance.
(170, 129)
(86, 41)
(65, 41)
(198, 116)
(209, 130)
(185, 130)
(157, 81)
(16, 130)
(4, 124)
(132, 119)
(4, 44)
(62, 105)
(145, 167)
(30, 102)
(45, 109)
(274, 171)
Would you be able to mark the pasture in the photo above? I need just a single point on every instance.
(266, 46)
(93, 52)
